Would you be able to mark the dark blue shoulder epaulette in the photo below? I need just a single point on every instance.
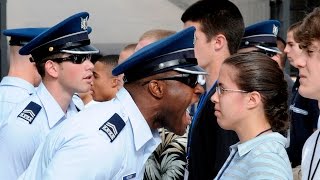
(113, 126)
(30, 112)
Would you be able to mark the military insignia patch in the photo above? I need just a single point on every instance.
(30, 112)
(130, 176)
(113, 126)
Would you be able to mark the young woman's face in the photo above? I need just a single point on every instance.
(230, 104)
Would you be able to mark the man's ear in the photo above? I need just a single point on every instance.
(219, 41)
(115, 82)
(51, 68)
(156, 88)
(254, 99)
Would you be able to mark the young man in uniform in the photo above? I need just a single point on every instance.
(220, 28)
(62, 57)
(23, 76)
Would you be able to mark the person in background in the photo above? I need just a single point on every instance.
(152, 36)
(22, 77)
(262, 37)
(86, 97)
(105, 85)
(308, 64)
(126, 52)
(251, 99)
(220, 28)
(304, 112)
(122, 133)
(62, 57)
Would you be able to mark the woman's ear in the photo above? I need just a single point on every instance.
(156, 88)
(254, 99)
(52, 68)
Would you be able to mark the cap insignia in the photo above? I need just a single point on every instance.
(84, 23)
(275, 30)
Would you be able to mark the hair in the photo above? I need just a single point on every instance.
(156, 34)
(293, 27)
(217, 17)
(111, 60)
(40, 63)
(258, 72)
(309, 30)
(131, 47)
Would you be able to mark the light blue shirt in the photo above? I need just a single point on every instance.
(311, 154)
(13, 90)
(19, 139)
(78, 150)
(263, 157)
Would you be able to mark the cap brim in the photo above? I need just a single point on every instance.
(191, 70)
(272, 49)
(88, 49)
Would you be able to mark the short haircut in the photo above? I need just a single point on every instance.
(111, 60)
(130, 47)
(258, 72)
(156, 34)
(217, 17)
(309, 30)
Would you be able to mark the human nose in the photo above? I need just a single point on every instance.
(88, 64)
(215, 97)
(301, 60)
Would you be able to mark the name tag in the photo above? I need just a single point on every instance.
(130, 176)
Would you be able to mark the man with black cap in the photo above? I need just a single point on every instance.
(262, 37)
(23, 75)
(114, 139)
(62, 57)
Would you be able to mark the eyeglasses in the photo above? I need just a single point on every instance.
(268, 53)
(74, 58)
(190, 80)
(220, 90)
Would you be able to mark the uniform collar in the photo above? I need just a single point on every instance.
(18, 82)
(246, 147)
(52, 108)
(142, 133)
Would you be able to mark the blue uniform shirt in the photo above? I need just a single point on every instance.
(79, 149)
(19, 139)
(263, 157)
(13, 90)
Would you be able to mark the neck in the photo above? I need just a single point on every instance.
(21, 67)
(253, 127)
(62, 97)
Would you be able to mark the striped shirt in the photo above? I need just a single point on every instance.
(263, 157)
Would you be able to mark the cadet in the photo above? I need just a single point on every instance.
(262, 37)
(62, 57)
(308, 37)
(23, 75)
(219, 31)
(113, 139)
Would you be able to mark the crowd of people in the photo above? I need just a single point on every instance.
(68, 111)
